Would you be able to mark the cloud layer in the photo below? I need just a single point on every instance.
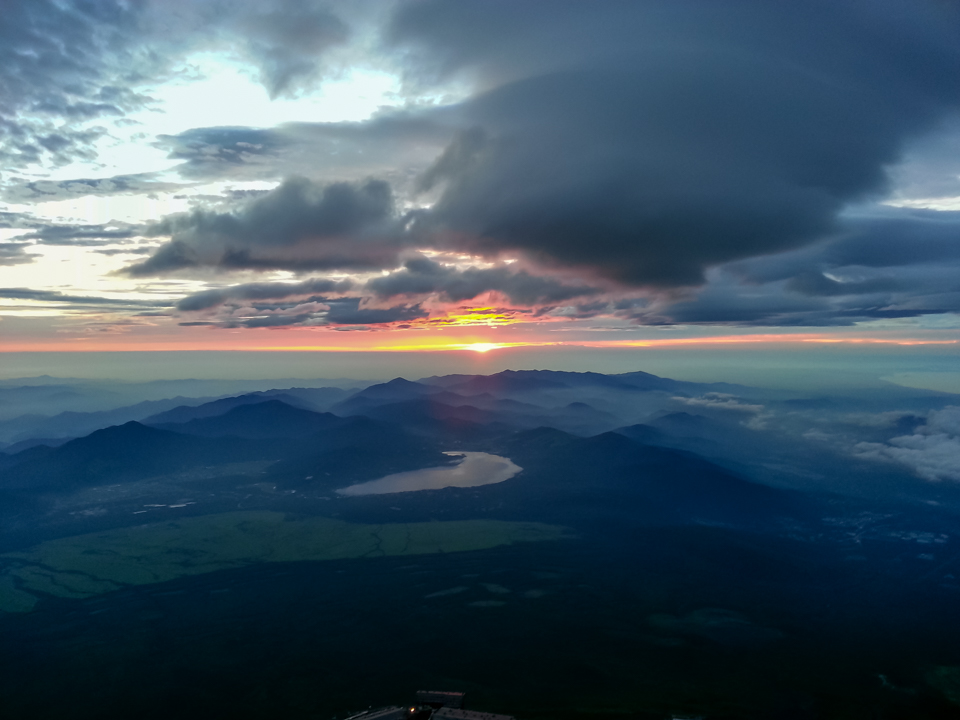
(932, 451)
(601, 145)
(681, 162)
(69, 70)
(298, 226)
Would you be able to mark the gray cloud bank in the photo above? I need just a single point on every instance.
(423, 277)
(705, 155)
(259, 291)
(932, 451)
(298, 226)
(235, 311)
(745, 133)
(14, 253)
(53, 296)
(889, 263)
(394, 146)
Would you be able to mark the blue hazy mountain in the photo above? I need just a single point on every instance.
(528, 381)
(506, 382)
(14, 448)
(120, 453)
(58, 396)
(444, 410)
(607, 473)
(647, 381)
(396, 390)
(21, 455)
(397, 435)
(645, 434)
(71, 424)
(317, 399)
(212, 408)
(263, 419)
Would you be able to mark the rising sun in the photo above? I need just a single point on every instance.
(482, 347)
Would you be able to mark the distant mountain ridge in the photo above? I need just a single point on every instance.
(269, 418)
(186, 413)
(429, 407)
(120, 453)
(531, 380)
(72, 424)
(75, 424)
(583, 459)
(583, 475)
(454, 410)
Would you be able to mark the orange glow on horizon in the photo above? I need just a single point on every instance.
(374, 342)
(475, 316)
(769, 338)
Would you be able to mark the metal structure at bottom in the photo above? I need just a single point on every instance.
(430, 705)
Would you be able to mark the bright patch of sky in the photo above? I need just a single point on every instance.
(81, 271)
(129, 208)
(226, 95)
(213, 92)
(99, 210)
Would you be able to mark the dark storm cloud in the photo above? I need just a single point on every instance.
(347, 311)
(664, 146)
(892, 263)
(650, 141)
(816, 283)
(931, 165)
(173, 256)
(897, 237)
(260, 291)
(301, 225)
(884, 242)
(422, 276)
(597, 145)
(723, 302)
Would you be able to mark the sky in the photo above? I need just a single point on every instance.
(550, 181)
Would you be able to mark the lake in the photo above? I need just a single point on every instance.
(476, 468)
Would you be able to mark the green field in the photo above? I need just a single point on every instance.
(86, 565)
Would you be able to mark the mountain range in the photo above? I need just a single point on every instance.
(578, 461)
